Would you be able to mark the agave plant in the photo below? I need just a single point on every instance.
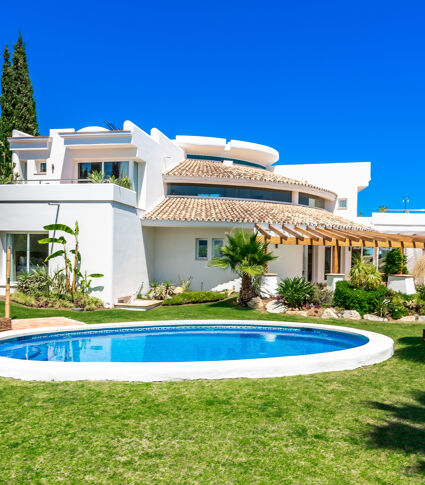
(96, 177)
(296, 292)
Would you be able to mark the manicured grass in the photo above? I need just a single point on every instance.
(361, 426)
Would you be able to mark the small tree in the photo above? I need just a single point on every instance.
(382, 208)
(25, 114)
(244, 254)
(6, 119)
(364, 275)
(395, 262)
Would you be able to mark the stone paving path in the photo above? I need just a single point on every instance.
(43, 322)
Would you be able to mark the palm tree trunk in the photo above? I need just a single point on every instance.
(246, 289)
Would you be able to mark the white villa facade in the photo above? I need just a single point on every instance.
(186, 195)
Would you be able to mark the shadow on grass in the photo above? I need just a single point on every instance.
(404, 429)
(411, 348)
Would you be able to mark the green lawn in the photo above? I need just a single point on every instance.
(361, 426)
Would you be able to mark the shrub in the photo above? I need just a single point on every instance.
(78, 300)
(364, 275)
(419, 272)
(195, 297)
(122, 182)
(420, 289)
(393, 261)
(23, 299)
(364, 301)
(322, 296)
(295, 292)
(36, 282)
(160, 291)
(397, 307)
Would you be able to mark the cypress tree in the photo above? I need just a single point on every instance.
(25, 115)
(6, 118)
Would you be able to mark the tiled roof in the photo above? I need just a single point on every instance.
(218, 170)
(210, 209)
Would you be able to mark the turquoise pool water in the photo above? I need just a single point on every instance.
(187, 343)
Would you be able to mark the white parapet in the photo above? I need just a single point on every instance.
(332, 279)
(403, 283)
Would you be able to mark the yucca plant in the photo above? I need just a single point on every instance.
(364, 275)
(244, 254)
(295, 292)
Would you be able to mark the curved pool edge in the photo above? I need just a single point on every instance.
(378, 349)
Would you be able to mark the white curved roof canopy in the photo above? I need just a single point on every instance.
(234, 149)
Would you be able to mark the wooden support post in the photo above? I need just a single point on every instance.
(7, 305)
(335, 260)
(266, 267)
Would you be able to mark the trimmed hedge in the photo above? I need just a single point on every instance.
(194, 297)
(364, 301)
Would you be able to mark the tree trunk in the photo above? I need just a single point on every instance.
(74, 278)
(246, 289)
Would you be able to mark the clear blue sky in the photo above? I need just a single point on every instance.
(320, 81)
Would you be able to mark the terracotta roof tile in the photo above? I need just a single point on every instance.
(210, 169)
(209, 209)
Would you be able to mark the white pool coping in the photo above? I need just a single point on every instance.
(378, 349)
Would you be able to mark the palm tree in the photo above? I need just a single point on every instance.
(383, 208)
(245, 255)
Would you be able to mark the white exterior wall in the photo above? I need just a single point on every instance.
(345, 179)
(110, 231)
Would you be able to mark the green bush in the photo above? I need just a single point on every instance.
(420, 289)
(397, 307)
(78, 300)
(364, 301)
(295, 292)
(322, 296)
(393, 262)
(36, 282)
(195, 297)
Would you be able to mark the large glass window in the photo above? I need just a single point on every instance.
(311, 200)
(116, 169)
(27, 253)
(229, 191)
(365, 253)
(86, 168)
(382, 252)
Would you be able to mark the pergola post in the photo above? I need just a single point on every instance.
(335, 260)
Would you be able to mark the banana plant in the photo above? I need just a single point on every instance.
(61, 252)
(77, 256)
(85, 282)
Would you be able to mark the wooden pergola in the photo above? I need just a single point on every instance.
(335, 237)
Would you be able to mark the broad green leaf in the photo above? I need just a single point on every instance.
(95, 275)
(61, 252)
(59, 227)
(47, 240)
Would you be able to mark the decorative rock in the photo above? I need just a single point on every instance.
(351, 315)
(315, 312)
(329, 313)
(177, 290)
(421, 318)
(408, 318)
(374, 318)
(299, 313)
(256, 303)
(275, 307)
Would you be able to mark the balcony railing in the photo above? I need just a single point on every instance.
(45, 181)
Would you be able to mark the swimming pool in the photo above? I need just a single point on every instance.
(187, 350)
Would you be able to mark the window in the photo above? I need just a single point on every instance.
(365, 253)
(217, 244)
(86, 168)
(201, 249)
(229, 191)
(311, 200)
(41, 166)
(116, 169)
(27, 253)
(382, 253)
(342, 203)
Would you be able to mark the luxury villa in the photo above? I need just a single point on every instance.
(185, 195)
